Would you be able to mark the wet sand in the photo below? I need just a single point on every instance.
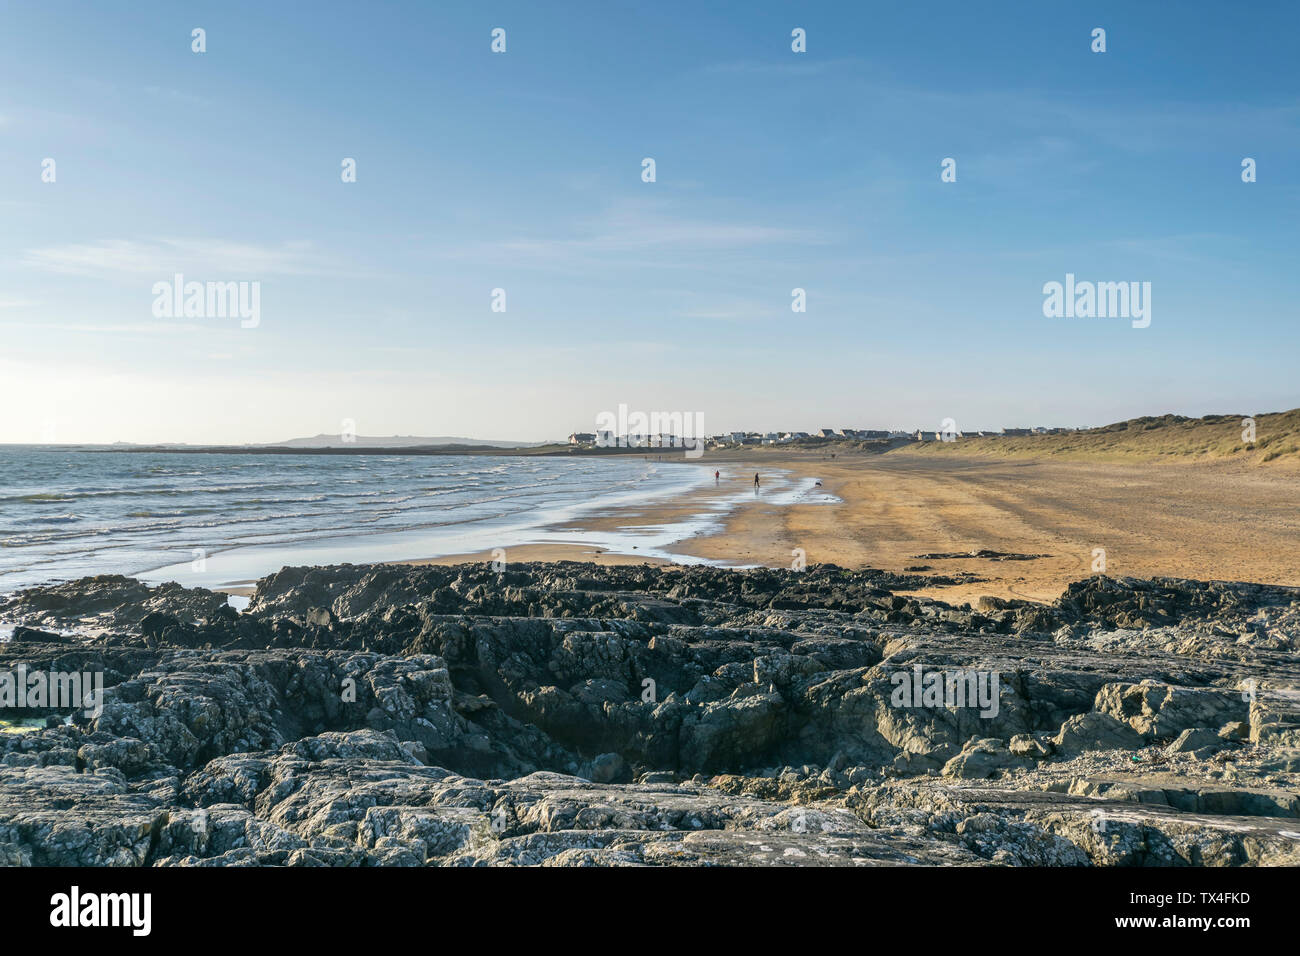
(624, 525)
(1209, 521)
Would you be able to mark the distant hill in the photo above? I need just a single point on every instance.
(1152, 438)
(395, 441)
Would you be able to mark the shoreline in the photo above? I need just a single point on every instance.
(1007, 529)
(663, 524)
(981, 526)
(235, 569)
(656, 531)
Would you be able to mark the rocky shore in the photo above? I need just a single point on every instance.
(567, 714)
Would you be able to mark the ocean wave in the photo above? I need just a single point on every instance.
(53, 519)
(129, 517)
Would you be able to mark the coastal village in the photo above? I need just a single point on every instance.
(607, 439)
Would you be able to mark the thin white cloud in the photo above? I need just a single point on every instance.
(215, 258)
(651, 230)
(732, 309)
(135, 328)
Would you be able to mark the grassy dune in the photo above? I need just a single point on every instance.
(1161, 438)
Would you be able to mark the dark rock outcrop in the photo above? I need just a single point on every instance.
(570, 714)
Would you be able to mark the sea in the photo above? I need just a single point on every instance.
(223, 520)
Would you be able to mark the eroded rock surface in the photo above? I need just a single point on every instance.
(573, 715)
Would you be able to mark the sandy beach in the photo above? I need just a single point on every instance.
(1212, 521)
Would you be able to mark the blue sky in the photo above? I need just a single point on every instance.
(522, 171)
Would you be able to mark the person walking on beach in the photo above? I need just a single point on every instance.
(756, 482)
(717, 477)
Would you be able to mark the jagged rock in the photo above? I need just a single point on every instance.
(57, 816)
(1095, 731)
(983, 758)
(319, 617)
(1026, 745)
(1235, 730)
(384, 715)
(1199, 741)
(606, 768)
(1161, 710)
